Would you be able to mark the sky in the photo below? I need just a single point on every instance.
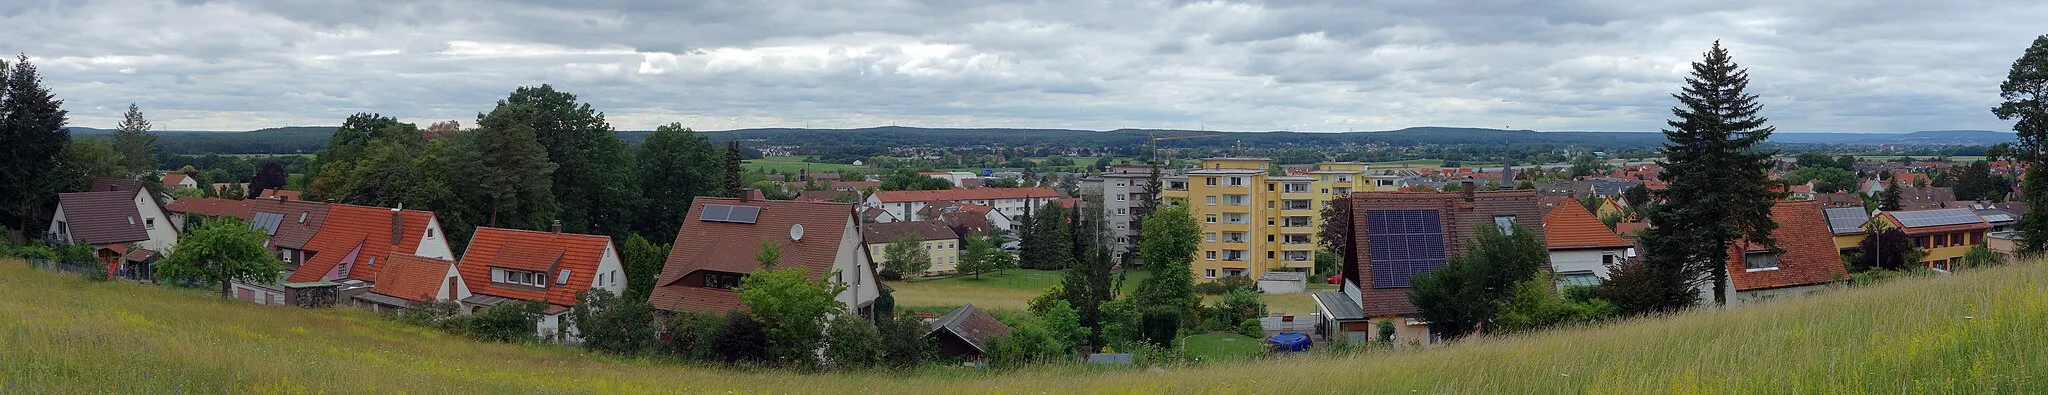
(1598, 65)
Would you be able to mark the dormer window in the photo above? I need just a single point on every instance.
(721, 280)
(1760, 260)
(519, 277)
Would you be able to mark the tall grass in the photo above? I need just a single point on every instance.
(1983, 331)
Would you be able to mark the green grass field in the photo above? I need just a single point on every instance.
(1222, 347)
(790, 164)
(1979, 332)
(1013, 290)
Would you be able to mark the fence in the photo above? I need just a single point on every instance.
(79, 268)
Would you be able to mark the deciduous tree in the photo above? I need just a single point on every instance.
(906, 257)
(676, 165)
(594, 182)
(1169, 253)
(792, 307)
(222, 251)
(1461, 296)
(612, 324)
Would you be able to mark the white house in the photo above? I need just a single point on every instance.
(126, 226)
(506, 265)
(1011, 202)
(1581, 247)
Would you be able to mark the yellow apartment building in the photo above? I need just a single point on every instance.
(1252, 221)
(1945, 234)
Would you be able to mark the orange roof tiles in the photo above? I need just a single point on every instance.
(411, 277)
(349, 228)
(546, 252)
(1570, 227)
(965, 194)
(1808, 251)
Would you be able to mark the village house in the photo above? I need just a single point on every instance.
(505, 265)
(1011, 202)
(1398, 236)
(1581, 248)
(1846, 223)
(127, 228)
(354, 244)
(1803, 259)
(935, 237)
(408, 279)
(176, 181)
(964, 333)
(205, 207)
(1944, 234)
(715, 247)
(290, 225)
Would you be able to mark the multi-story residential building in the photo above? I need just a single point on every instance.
(1254, 222)
(1846, 224)
(1123, 199)
(940, 243)
(1011, 202)
(1946, 234)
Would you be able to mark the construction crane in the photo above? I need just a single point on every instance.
(1153, 139)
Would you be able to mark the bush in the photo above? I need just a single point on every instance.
(1242, 303)
(1063, 328)
(429, 314)
(903, 344)
(851, 342)
(1251, 328)
(36, 251)
(1226, 285)
(1027, 344)
(1044, 301)
(742, 339)
(1160, 325)
(692, 335)
(1119, 322)
(1535, 305)
(609, 323)
(511, 322)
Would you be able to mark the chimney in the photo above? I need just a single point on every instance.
(556, 227)
(1470, 189)
(397, 224)
(803, 175)
(746, 194)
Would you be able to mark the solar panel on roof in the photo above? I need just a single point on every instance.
(730, 213)
(1404, 244)
(1846, 219)
(1954, 216)
(267, 222)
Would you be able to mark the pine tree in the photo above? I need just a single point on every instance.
(1890, 199)
(1719, 188)
(511, 178)
(135, 143)
(733, 183)
(32, 128)
(2026, 104)
(676, 165)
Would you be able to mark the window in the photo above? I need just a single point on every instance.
(1119, 226)
(1210, 181)
(1269, 187)
(430, 233)
(1208, 273)
(1607, 259)
(1211, 218)
(1123, 211)
(1119, 184)
(1119, 197)
(285, 256)
(1955, 239)
(1210, 255)
(721, 280)
(1270, 255)
(1506, 223)
(1237, 181)
(372, 264)
(149, 223)
(1326, 190)
(1211, 237)
(1760, 260)
(62, 229)
(520, 277)
(1236, 200)
(1209, 199)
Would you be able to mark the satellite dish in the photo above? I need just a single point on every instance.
(796, 232)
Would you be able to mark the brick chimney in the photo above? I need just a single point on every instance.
(397, 224)
(1470, 189)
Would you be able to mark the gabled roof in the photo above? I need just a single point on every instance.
(115, 184)
(298, 220)
(827, 195)
(1570, 227)
(211, 207)
(965, 194)
(971, 325)
(892, 231)
(276, 193)
(411, 277)
(1846, 220)
(104, 217)
(729, 247)
(173, 179)
(1920, 222)
(1808, 255)
(348, 227)
(1459, 218)
(550, 253)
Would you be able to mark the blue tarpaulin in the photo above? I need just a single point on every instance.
(1290, 341)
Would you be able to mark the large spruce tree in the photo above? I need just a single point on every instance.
(135, 143)
(2026, 104)
(1719, 189)
(32, 142)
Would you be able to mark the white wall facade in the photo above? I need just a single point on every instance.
(1593, 260)
(434, 243)
(855, 269)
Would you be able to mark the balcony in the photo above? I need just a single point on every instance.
(1295, 239)
(1296, 222)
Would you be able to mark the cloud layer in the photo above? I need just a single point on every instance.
(1824, 65)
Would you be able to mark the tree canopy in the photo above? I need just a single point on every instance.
(1716, 166)
(222, 251)
(2025, 91)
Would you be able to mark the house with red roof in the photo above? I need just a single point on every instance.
(177, 181)
(715, 246)
(1581, 247)
(506, 265)
(1803, 260)
(118, 218)
(205, 207)
(409, 279)
(1011, 202)
(353, 240)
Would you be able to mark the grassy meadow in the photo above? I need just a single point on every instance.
(1979, 332)
(1013, 289)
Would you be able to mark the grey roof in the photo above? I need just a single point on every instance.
(1949, 216)
(1997, 216)
(486, 300)
(1340, 306)
(971, 324)
(1846, 220)
(104, 217)
(1284, 276)
(383, 300)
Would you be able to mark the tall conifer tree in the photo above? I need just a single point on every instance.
(32, 142)
(1719, 189)
(135, 143)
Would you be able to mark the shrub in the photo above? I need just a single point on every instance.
(429, 314)
(1240, 304)
(36, 251)
(1063, 328)
(610, 323)
(742, 339)
(692, 335)
(1535, 305)
(1226, 285)
(510, 322)
(1027, 343)
(1045, 301)
(903, 344)
(1160, 325)
(1119, 322)
(851, 342)
(1251, 328)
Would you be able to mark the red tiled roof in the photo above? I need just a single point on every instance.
(891, 231)
(275, 193)
(854, 185)
(348, 227)
(730, 247)
(411, 277)
(302, 220)
(211, 207)
(965, 194)
(546, 252)
(1572, 228)
(103, 217)
(1808, 251)
(173, 179)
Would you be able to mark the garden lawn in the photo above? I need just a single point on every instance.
(1222, 347)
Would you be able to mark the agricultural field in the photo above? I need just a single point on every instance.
(790, 164)
(1983, 334)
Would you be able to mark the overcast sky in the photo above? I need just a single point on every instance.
(1827, 65)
